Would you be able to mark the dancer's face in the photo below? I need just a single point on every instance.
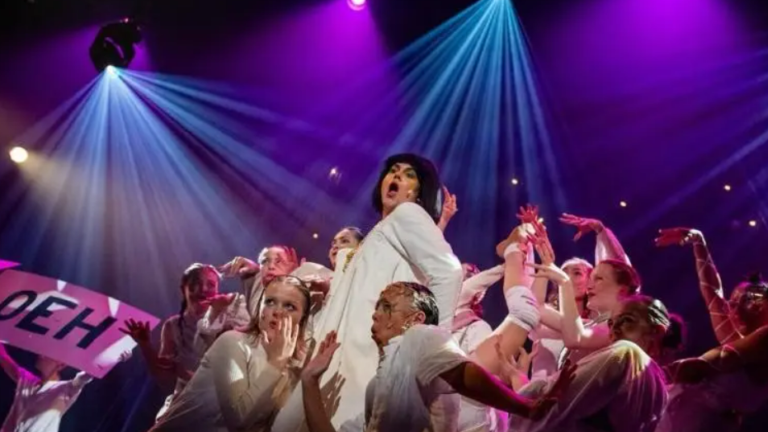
(276, 263)
(579, 274)
(632, 322)
(201, 289)
(401, 184)
(603, 291)
(48, 366)
(394, 314)
(749, 308)
(281, 300)
(344, 239)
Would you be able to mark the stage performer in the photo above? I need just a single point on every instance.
(421, 373)
(713, 392)
(247, 374)
(406, 245)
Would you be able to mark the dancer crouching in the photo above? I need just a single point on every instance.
(246, 376)
(420, 367)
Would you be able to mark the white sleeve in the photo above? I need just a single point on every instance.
(597, 381)
(417, 238)
(432, 351)
(356, 424)
(242, 402)
(78, 382)
(310, 271)
(479, 283)
(609, 247)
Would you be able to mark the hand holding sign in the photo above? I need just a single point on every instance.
(67, 323)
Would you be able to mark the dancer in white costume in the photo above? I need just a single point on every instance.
(617, 388)
(406, 245)
(230, 311)
(711, 393)
(421, 367)
(180, 350)
(247, 374)
(611, 279)
(39, 403)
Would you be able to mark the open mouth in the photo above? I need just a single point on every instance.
(393, 189)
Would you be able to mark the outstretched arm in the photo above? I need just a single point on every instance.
(11, 368)
(710, 284)
(607, 247)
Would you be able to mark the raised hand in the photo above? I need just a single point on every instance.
(545, 403)
(138, 331)
(281, 347)
(319, 364)
(219, 303)
(528, 214)
(542, 244)
(583, 225)
(449, 205)
(125, 356)
(239, 266)
(551, 272)
(678, 236)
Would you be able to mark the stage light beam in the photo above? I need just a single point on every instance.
(19, 155)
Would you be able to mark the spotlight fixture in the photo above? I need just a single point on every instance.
(623, 203)
(356, 4)
(727, 188)
(515, 182)
(114, 44)
(315, 236)
(19, 155)
(753, 223)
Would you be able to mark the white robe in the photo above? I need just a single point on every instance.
(235, 388)
(405, 246)
(618, 388)
(39, 408)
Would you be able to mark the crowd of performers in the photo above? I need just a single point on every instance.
(391, 337)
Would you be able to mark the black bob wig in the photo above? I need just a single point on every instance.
(430, 196)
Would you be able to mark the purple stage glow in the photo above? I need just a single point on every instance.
(356, 4)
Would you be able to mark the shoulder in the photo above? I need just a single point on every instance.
(230, 340)
(171, 326)
(310, 269)
(422, 334)
(409, 211)
(626, 355)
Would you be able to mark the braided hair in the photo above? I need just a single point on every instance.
(192, 275)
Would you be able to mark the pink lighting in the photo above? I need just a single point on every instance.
(356, 4)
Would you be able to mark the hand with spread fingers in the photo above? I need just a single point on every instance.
(282, 345)
(138, 331)
(322, 360)
(582, 224)
(239, 266)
